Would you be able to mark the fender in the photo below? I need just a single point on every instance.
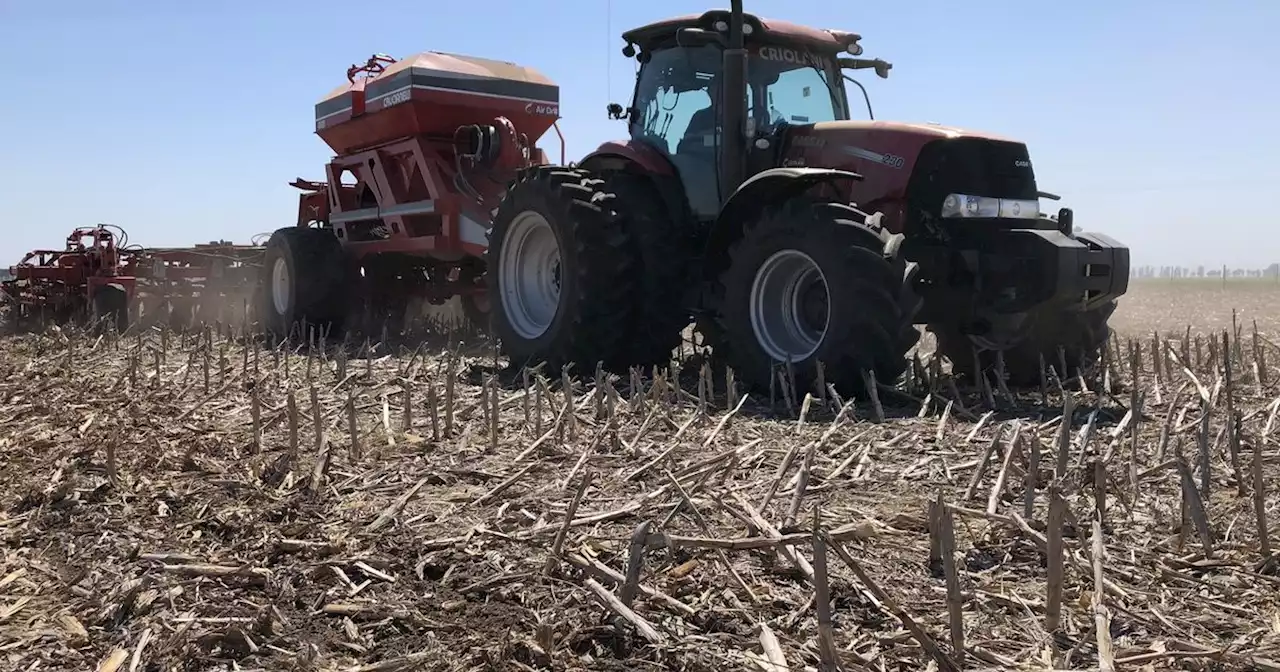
(640, 159)
(616, 154)
(774, 185)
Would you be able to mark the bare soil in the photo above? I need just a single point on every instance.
(1204, 304)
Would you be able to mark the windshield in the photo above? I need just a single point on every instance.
(796, 86)
(676, 87)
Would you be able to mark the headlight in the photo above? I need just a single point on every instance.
(985, 207)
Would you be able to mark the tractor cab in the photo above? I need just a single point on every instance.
(792, 77)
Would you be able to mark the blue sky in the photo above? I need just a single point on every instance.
(185, 122)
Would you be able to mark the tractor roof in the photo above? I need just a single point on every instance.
(662, 33)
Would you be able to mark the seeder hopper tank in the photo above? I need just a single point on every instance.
(433, 94)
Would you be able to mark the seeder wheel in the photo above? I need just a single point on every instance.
(302, 283)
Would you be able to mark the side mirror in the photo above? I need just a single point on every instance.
(881, 67)
(615, 111)
(697, 37)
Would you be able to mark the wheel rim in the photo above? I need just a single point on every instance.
(790, 308)
(529, 274)
(281, 286)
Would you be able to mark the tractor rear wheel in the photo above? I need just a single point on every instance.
(560, 272)
(1081, 334)
(302, 283)
(806, 285)
(111, 302)
(663, 256)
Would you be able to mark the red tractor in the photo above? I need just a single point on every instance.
(86, 277)
(747, 199)
(425, 147)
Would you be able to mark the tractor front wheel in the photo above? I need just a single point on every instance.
(302, 283)
(559, 272)
(805, 286)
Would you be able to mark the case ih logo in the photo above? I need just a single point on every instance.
(787, 55)
(543, 109)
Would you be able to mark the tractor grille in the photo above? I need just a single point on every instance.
(971, 166)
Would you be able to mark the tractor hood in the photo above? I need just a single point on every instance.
(914, 163)
(922, 129)
(887, 151)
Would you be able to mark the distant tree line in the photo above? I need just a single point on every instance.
(1172, 272)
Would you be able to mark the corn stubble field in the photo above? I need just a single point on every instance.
(187, 501)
